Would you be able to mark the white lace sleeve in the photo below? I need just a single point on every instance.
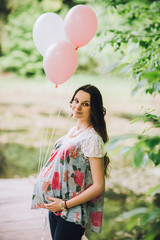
(93, 146)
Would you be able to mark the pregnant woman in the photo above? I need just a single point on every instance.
(72, 183)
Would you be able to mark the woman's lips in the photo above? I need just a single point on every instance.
(77, 112)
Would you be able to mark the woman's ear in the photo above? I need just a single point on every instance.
(71, 103)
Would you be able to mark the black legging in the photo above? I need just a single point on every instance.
(64, 230)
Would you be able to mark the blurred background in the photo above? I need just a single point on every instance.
(123, 61)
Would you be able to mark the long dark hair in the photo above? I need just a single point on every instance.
(97, 117)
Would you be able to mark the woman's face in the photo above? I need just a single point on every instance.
(81, 108)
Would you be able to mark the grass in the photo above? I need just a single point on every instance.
(109, 85)
(18, 160)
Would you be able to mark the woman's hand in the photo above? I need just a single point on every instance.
(55, 206)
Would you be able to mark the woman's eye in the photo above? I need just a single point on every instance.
(76, 100)
(85, 104)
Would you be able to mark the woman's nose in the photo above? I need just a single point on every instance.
(78, 106)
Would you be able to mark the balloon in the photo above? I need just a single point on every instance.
(80, 25)
(60, 62)
(48, 29)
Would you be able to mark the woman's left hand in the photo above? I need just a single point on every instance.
(55, 206)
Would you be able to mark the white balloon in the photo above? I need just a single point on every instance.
(48, 29)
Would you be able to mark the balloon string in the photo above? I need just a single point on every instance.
(63, 100)
(42, 148)
(44, 223)
(39, 163)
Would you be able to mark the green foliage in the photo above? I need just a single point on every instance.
(146, 219)
(154, 191)
(146, 148)
(118, 200)
(142, 24)
(20, 55)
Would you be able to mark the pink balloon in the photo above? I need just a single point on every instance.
(80, 25)
(60, 62)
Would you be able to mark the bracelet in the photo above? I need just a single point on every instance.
(65, 204)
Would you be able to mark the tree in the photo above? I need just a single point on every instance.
(139, 26)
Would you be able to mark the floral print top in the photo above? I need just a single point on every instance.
(67, 173)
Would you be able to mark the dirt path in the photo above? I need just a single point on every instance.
(17, 220)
